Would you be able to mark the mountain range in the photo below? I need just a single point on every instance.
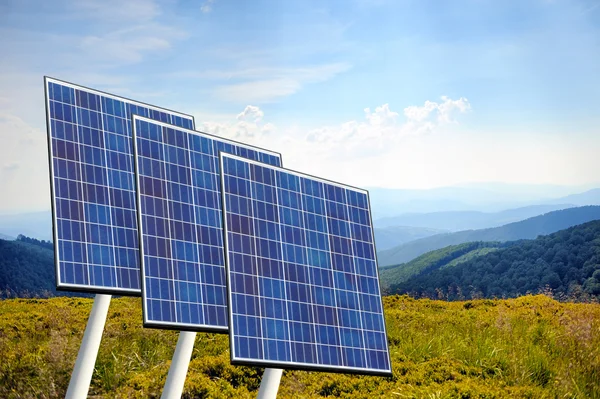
(482, 205)
(525, 229)
(389, 237)
(567, 262)
(467, 220)
(483, 198)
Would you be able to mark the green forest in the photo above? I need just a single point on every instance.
(566, 262)
(27, 268)
(434, 260)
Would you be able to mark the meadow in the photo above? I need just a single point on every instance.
(528, 347)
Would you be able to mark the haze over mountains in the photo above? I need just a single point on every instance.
(6, 237)
(471, 206)
(525, 229)
(477, 197)
(466, 220)
(34, 224)
(391, 236)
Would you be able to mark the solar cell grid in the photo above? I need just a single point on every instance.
(91, 167)
(183, 272)
(302, 273)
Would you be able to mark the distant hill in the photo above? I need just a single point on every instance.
(482, 197)
(27, 268)
(390, 202)
(426, 263)
(33, 224)
(389, 237)
(590, 197)
(568, 262)
(526, 229)
(6, 237)
(468, 220)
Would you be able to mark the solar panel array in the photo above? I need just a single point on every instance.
(91, 165)
(183, 270)
(301, 289)
(302, 273)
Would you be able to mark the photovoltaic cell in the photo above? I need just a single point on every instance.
(91, 177)
(183, 270)
(303, 284)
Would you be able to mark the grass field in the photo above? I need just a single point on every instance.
(529, 347)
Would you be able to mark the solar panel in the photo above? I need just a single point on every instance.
(303, 284)
(183, 270)
(91, 178)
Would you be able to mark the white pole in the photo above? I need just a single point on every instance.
(179, 366)
(269, 385)
(86, 358)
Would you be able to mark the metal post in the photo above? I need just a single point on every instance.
(269, 385)
(179, 366)
(88, 351)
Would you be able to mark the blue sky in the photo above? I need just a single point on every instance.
(399, 94)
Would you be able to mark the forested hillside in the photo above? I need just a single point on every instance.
(568, 262)
(26, 268)
(526, 229)
(434, 260)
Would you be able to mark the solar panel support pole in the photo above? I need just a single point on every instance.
(269, 385)
(86, 358)
(179, 365)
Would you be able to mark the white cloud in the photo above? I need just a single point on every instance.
(382, 116)
(379, 132)
(306, 73)
(419, 114)
(268, 128)
(353, 151)
(129, 45)
(450, 107)
(381, 128)
(402, 149)
(106, 33)
(9, 167)
(260, 91)
(23, 166)
(116, 11)
(246, 127)
(206, 7)
(252, 113)
(444, 111)
(265, 84)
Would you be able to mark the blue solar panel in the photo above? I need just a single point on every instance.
(92, 182)
(183, 270)
(302, 273)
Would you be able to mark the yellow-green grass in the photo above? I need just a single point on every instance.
(529, 347)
